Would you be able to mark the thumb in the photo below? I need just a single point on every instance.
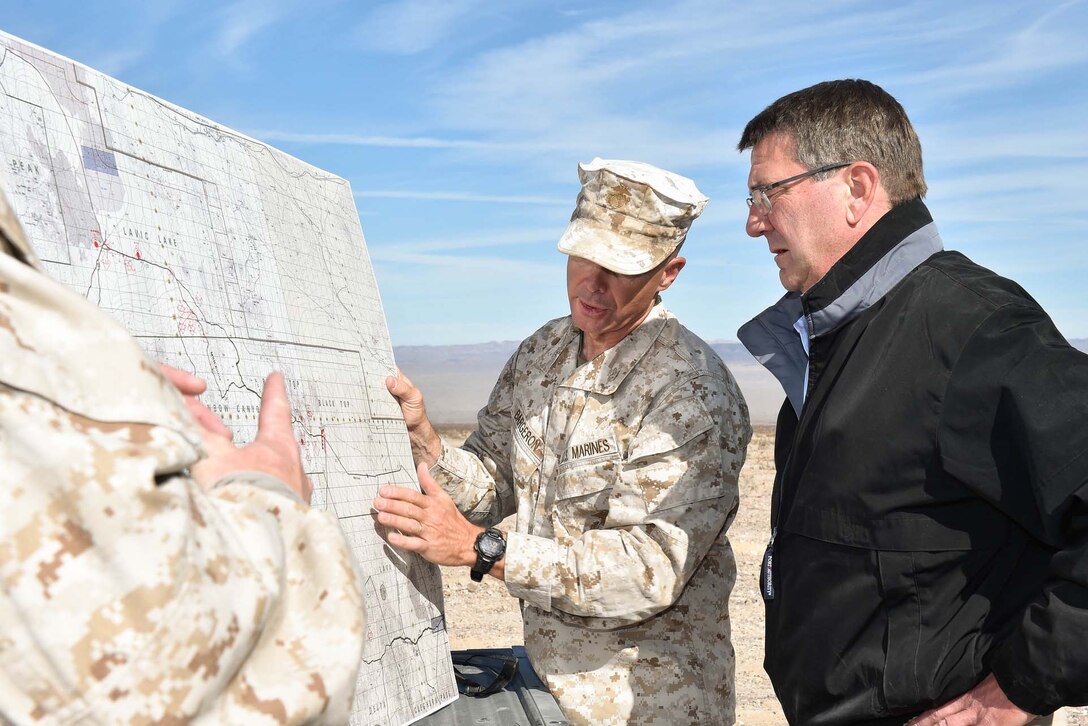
(398, 384)
(402, 388)
(427, 482)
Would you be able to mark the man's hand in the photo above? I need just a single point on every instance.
(426, 444)
(190, 386)
(985, 705)
(274, 451)
(428, 523)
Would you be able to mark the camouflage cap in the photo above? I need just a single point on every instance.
(630, 216)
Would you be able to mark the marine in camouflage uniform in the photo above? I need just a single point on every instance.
(622, 471)
(131, 595)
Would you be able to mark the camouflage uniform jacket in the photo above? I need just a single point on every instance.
(130, 595)
(623, 473)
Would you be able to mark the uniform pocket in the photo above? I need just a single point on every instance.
(675, 459)
(582, 493)
(587, 467)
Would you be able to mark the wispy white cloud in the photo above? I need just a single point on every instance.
(408, 142)
(622, 87)
(117, 61)
(640, 82)
(407, 27)
(501, 238)
(629, 83)
(242, 20)
(133, 37)
(961, 144)
(618, 138)
(478, 265)
(1062, 184)
(1052, 42)
(461, 197)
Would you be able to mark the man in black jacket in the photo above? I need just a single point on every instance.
(929, 549)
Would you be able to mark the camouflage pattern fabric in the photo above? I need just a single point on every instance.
(130, 595)
(623, 473)
(629, 215)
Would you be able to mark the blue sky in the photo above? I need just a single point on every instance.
(460, 123)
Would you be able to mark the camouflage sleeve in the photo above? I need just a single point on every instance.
(132, 596)
(479, 476)
(672, 498)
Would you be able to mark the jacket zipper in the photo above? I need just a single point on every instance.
(766, 573)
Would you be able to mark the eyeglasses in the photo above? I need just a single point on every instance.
(759, 196)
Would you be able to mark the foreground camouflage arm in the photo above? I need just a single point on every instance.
(132, 601)
(129, 594)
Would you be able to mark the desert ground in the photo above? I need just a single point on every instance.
(485, 616)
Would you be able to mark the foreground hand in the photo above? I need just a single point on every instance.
(985, 704)
(190, 386)
(426, 444)
(274, 451)
(428, 523)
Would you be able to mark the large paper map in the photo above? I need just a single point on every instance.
(229, 258)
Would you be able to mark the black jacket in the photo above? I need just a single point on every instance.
(931, 498)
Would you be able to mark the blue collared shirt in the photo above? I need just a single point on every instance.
(801, 326)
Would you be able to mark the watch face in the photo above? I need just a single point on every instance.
(491, 545)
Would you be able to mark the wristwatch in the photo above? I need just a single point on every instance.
(490, 548)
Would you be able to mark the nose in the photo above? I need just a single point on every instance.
(596, 279)
(757, 223)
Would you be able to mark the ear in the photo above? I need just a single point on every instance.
(671, 270)
(865, 192)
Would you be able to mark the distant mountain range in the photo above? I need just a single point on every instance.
(456, 379)
(496, 353)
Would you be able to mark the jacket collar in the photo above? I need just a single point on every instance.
(901, 240)
(607, 371)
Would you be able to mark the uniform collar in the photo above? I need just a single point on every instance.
(607, 371)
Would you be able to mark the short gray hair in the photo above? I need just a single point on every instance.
(849, 120)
